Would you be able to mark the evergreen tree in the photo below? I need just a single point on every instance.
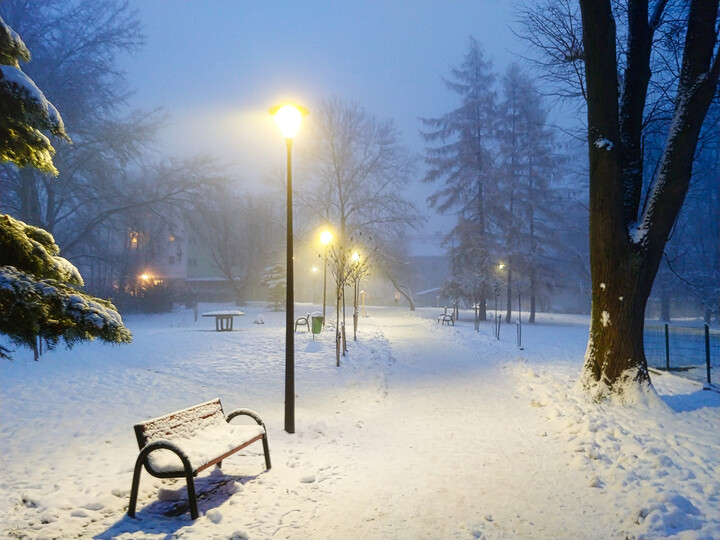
(273, 278)
(39, 297)
(461, 152)
(24, 110)
(529, 168)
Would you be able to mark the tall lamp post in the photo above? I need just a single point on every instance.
(288, 117)
(325, 239)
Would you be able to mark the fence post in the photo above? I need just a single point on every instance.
(707, 351)
(667, 347)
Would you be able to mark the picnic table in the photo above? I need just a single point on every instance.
(223, 319)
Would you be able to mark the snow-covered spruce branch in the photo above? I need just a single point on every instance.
(57, 311)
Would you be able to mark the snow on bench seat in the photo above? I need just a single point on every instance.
(204, 446)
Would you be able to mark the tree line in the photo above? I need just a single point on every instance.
(503, 173)
(645, 80)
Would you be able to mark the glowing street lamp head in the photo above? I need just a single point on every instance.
(288, 117)
(501, 266)
(355, 257)
(326, 237)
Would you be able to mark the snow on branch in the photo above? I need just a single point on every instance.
(25, 111)
(57, 310)
(33, 250)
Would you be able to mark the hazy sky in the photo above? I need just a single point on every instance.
(216, 66)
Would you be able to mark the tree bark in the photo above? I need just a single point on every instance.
(531, 317)
(508, 298)
(482, 309)
(624, 258)
(403, 290)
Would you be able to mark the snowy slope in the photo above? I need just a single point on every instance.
(425, 431)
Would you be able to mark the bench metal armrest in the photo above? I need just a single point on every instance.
(254, 416)
(165, 445)
(245, 412)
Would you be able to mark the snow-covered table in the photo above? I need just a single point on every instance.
(183, 443)
(223, 319)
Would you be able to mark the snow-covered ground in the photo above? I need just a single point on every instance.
(425, 431)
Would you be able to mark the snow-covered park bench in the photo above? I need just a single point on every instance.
(186, 442)
(445, 318)
(303, 321)
(223, 319)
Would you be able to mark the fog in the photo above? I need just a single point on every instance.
(216, 68)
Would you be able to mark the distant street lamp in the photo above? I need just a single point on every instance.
(288, 117)
(325, 239)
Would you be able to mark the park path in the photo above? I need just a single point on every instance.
(450, 448)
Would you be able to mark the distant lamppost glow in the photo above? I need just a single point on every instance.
(289, 117)
(325, 239)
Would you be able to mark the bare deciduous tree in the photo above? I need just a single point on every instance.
(628, 234)
(357, 169)
(647, 70)
(236, 230)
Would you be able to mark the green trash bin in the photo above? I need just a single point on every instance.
(317, 324)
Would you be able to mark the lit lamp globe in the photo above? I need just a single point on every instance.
(288, 117)
(325, 237)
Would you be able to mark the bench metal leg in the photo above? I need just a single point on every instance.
(266, 449)
(192, 497)
(135, 486)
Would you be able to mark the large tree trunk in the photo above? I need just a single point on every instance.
(626, 241)
(533, 294)
(482, 307)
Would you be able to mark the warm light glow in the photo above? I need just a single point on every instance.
(355, 257)
(145, 277)
(314, 268)
(501, 266)
(288, 117)
(326, 237)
